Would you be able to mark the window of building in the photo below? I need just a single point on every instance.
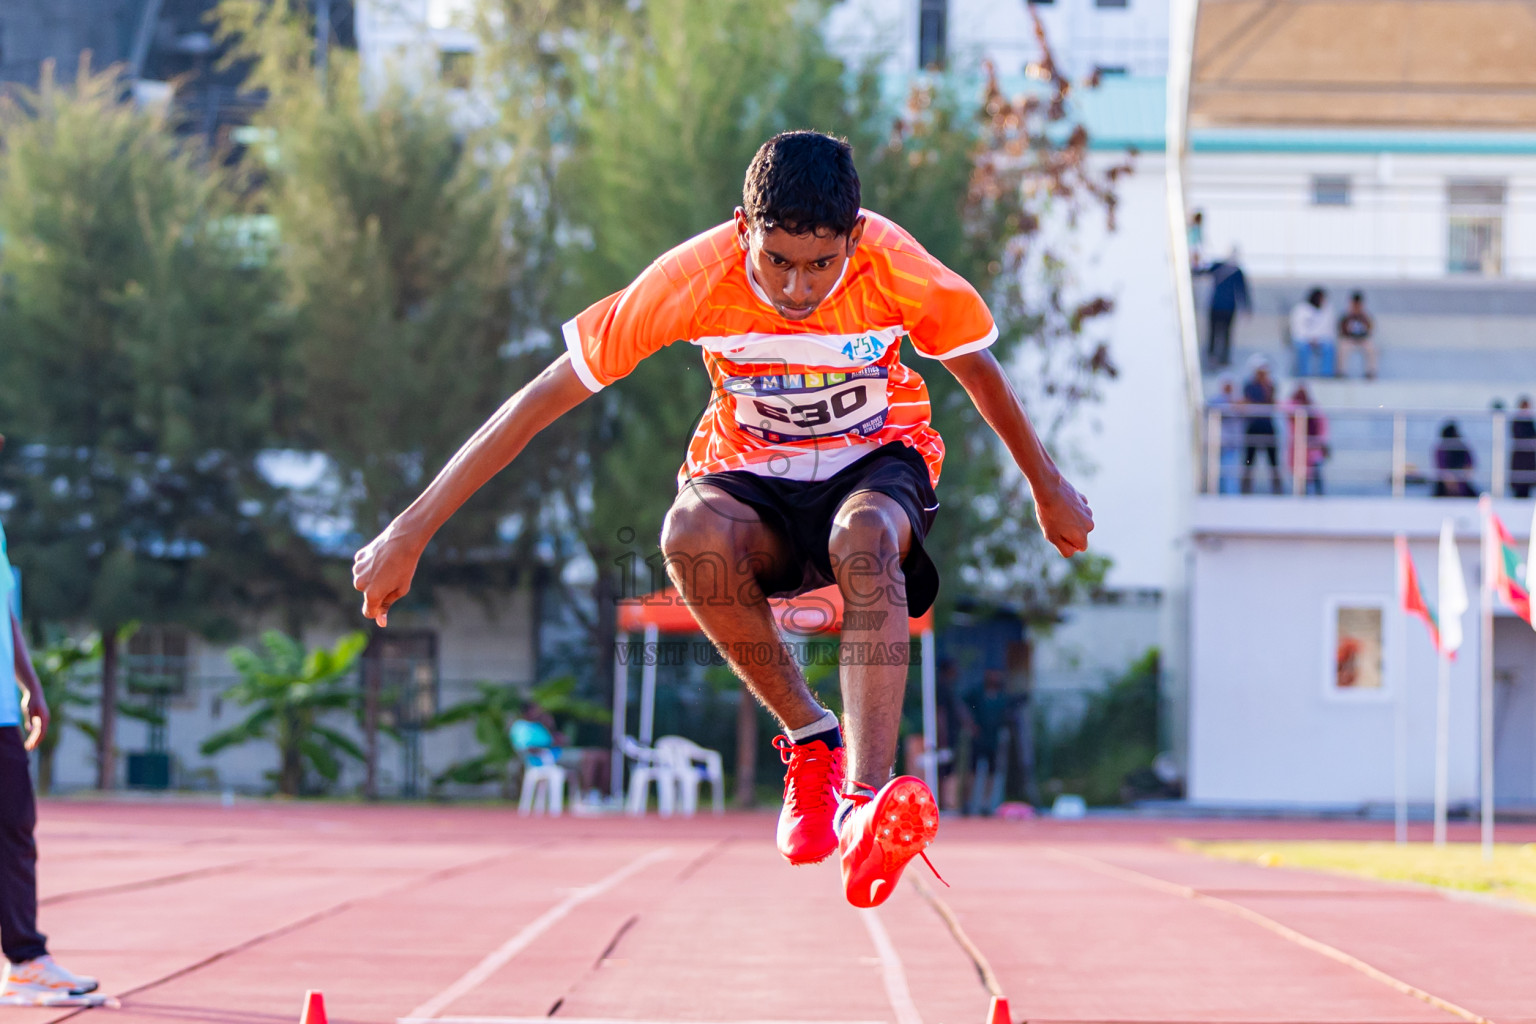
(405, 663)
(1042, 3)
(1103, 71)
(1475, 227)
(932, 30)
(1330, 190)
(1111, 3)
(1355, 644)
(158, 660)
(456, 68)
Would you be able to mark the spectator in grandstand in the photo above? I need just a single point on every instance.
(1356, 329)
(1522, 449)
(1229, 433)
(1259, 428)
(1453, 464)
(1309, 428)
(1312, 335)
(1229, 295)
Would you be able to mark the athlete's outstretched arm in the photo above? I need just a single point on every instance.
(1064, 515)
(383, 569)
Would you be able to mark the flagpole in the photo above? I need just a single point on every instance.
(1485, 681)
(1400, 732)
(1442, 746)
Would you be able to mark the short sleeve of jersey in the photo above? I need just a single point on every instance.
(950, 318)
(609, 338)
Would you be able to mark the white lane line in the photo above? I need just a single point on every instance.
(525, 938)
(1268, 924)
(890, 966)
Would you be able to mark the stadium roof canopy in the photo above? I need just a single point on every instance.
(1410, 65)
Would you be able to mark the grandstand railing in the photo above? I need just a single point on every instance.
(1367, 452)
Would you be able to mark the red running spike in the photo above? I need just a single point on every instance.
(314, 1008)
(998, 1014)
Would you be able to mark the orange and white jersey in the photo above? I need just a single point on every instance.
(798, 400)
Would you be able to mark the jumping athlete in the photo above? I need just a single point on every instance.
(814, 464)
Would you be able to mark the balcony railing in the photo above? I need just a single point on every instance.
(1367, 452)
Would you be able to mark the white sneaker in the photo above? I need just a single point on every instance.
(44, 976)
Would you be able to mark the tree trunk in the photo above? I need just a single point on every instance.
(45, 768)
(746, 749)
(372, 669)
(106, 739)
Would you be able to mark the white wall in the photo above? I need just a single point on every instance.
(1395, 226)
(1264, 726)
(492, 641)
(1133, 443)
(1082, 34)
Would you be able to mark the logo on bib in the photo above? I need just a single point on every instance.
(868, 348)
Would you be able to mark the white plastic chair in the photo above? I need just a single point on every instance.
(649, 768)
(543, 786)
(691, 765)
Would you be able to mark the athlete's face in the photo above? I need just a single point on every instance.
(796, 271)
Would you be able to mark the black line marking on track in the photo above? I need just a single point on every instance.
(613, 943)
(301, 923)
(151, 883)
(1110, 869)
(967, 946)
(556, 1008)
(704, 858)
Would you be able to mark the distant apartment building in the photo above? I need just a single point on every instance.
(1386, 147)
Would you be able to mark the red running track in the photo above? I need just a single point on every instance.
(199, 913)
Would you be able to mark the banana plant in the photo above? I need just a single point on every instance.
(291, 692)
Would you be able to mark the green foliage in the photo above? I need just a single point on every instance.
(137, 370)
(1117, 736)
(400, 264)
(291, 692)
(63, 665)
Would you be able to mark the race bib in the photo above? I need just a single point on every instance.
(805, 406)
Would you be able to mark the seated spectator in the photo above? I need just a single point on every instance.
(1522, 449)
(1453, 464)
(1312, 335)
(1313, 426)
(1356, 329)
(1259, 429)
(534, 735)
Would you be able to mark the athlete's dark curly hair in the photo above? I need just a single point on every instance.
(802, 182)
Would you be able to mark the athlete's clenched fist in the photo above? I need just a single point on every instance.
(383, 571)
(1065, 518)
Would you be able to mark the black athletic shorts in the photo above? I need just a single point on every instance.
(801, 512)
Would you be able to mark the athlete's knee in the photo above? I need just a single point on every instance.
(865, 530)
(699, 545)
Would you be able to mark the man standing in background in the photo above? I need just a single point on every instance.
(31, 975)
(1229, 294)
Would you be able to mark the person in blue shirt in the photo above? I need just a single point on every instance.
(31, 974)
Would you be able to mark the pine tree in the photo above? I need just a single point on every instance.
(137, 376)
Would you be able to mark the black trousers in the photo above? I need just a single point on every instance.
(1219, 345)
(19, 938)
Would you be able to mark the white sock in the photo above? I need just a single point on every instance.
(826, 723)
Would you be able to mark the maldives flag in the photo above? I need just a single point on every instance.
(1503, 564)
(1410, 593)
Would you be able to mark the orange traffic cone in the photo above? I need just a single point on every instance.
(998, 1014)
(314, 1008)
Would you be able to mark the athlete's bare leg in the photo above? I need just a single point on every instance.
(716, 547)
(871, 536)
